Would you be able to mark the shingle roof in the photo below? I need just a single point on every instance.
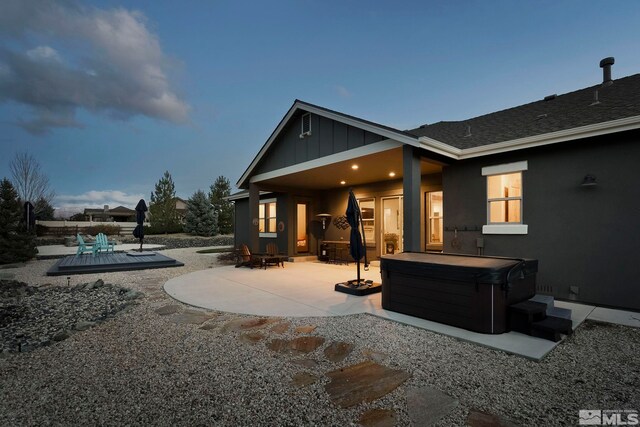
(575, 109)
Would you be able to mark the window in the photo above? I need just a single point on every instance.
(306, 125)
(504, 199)
(367, 210)
(267, 218)
(436, 218)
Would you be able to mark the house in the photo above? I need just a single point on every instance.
(554, 180)
(119, 214)
(181, 209)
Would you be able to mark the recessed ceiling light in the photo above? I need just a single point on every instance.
(354, 167)
(343, 182)
(392, 174)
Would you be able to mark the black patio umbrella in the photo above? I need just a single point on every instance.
(138, 232)
(357, 242)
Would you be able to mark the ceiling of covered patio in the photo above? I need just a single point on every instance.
(382, 166)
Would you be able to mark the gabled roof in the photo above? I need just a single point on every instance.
(589, 106)
(596, 110)
(385, 131)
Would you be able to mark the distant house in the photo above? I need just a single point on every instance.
(119, 214)
(181, 209)
(555, 180)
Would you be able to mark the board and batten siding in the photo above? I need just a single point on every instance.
(327, 137)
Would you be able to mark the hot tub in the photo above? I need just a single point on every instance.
(470, 292)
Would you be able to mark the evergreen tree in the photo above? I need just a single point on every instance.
(44, 211)
(16, 244)
(201, 218)
(222, 188)
(164, 216)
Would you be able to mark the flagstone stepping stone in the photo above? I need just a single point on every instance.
(168, 309)
(302, 379)
(281, 328)
(426, 405)
(305, 344)
(279, 345)
(306, 329)
(306, 363)
(483, 419)
(378, 418)
(338, 351)
(376, 356)
(299, 345)
(252, 337)
(364, 382)
(245, 323)
(209, 326)
(193, 317)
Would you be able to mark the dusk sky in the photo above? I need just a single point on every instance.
(107, 95)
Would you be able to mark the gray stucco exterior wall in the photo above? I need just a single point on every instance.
(289, 149)
(587, 239)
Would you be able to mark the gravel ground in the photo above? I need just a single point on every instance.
(141, 368)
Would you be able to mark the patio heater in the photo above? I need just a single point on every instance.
(324, 217)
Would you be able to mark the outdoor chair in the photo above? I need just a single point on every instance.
(244, 258)
(85, 247)
(103, 243)
(274, 256)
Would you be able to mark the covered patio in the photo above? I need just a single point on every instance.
(306, 289)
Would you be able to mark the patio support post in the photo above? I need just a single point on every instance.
(411, 198)
(254, 204)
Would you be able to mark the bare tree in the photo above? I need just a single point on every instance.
(29, 180)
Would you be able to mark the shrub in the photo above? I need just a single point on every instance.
(150, 229)
(109, 230)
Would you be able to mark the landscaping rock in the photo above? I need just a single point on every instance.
(427, 405)
(302, 379)
(376, 356)
(305, 344)
(306, 363)
(193, 317)
(246, 323)
(61, 335)
(168, 309)
(83, 325)
(363, 382)
(378, 418)
(483, 419)
(252, 337)
(307, 329)
(281, 328)
(338, 351)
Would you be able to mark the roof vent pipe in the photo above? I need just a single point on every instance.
(606, 64)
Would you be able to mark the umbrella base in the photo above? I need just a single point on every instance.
(352, 287)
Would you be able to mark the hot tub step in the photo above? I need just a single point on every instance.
(523, 314)
(544, 299)
(551, 328)
(565, 313)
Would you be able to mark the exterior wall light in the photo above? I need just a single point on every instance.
(589, 181)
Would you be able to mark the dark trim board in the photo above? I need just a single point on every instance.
(104, 263)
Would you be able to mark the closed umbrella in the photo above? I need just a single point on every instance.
(357, 247)
(138, 232)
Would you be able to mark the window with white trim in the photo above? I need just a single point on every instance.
(267, 217)
(505, 198)
(306, 125)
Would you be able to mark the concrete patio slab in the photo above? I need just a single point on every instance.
(306, 290)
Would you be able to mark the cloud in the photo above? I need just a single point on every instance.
(97, 199)
(342, 91)
(103, 61)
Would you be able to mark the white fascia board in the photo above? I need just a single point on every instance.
(613, 126)
(438, 147)
(243, 196)
(588, 131)
(505, 229)
(405, 139)
(376, 147)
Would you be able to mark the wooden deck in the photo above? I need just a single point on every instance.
(107, 262)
